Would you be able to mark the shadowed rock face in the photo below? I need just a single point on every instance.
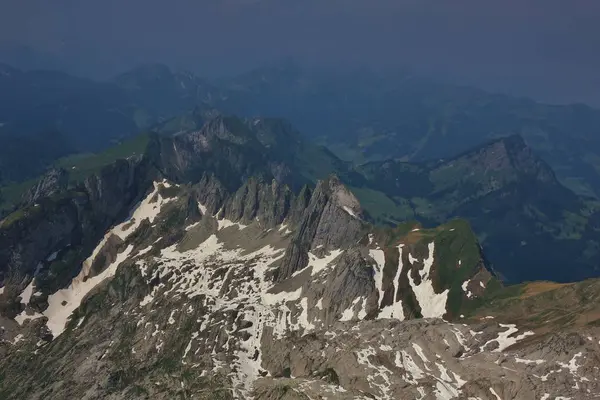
(522, 158)
(268, 203)
(232, 149)
(351, 279)
(328, 223)
(53, 182)
(75, 218)
(510, 152)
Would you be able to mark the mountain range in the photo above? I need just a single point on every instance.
(360, 116)
(529, 224)
(208, 265)
(216, 256)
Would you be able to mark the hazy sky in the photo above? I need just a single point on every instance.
(548, 49)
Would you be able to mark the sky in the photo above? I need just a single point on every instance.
(545, 49)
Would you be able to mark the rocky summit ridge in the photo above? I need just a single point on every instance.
(193, 271)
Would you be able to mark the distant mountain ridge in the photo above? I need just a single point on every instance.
(361, 116)
(529, 224)
(502, 181)
(364, 117)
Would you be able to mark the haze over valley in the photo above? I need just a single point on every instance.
(278, 201)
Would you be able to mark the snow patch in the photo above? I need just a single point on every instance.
(149, 208)
(504, 340)
(80, 322)
(52, 256)
(526, 361)
(350, 211)
(380, 378)
(225, 223)
(144, 251)
(465, 288)
(572, 365)
(192, 226)
(26, 294)
(23, 316)
(319, 304)
(303, 318)
(405, 361)
(433, 305)
(285, 229)
(421, 355)
(495, 394)
(445, 391)
(395, 309)
(59, 314)
(319, 264)
(18, 338)
(189, 345)
(379, 257)
(348, 313)
(272, 299)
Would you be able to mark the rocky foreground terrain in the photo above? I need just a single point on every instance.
(157, 278)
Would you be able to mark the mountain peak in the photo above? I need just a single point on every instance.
(513, 139)
(524, 159)
(509, 156)
(226, 127)
(513, 144)
(341, 196)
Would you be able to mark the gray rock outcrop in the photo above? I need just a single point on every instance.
(53, 182)
(325, 224)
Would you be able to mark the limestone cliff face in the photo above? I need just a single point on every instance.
(53, 182)
(62, 219)
(227, 163)
(269, 203)
(330, 221)
(226, 147)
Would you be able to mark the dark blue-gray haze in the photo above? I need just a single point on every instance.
(546, 49)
